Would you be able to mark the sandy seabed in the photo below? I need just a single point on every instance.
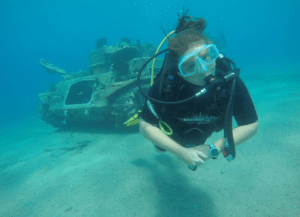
(120, 174)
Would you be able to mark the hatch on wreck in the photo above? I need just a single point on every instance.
(106, 91)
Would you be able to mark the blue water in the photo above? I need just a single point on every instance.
(119, 174)
(64, 31)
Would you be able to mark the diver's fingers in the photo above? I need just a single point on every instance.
(199, 162)
(201, 155)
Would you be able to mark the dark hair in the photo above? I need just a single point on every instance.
(189, 34)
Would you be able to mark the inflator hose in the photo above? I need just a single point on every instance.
(228, 134)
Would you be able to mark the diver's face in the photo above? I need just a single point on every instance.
(198, 77)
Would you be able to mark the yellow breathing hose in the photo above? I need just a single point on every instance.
(134, 119)
(161, 123)
(158, 49)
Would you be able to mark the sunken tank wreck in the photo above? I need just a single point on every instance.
(107, 91)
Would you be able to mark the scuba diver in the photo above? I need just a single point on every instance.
(196, 93)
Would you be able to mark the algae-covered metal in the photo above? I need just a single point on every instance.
(106, 91)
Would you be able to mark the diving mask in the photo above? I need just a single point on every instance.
(198, 60)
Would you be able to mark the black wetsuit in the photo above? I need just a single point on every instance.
(194, 121)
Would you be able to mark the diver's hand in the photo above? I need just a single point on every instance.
(192, 156)
(205, 149)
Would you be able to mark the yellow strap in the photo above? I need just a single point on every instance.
(133, 120)
(133, 123)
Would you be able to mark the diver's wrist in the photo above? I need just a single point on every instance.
(220, 144)
(178, 150)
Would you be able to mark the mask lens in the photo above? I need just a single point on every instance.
(188, 66)
(199, 60)
(209, 54)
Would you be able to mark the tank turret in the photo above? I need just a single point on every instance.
(107, 90)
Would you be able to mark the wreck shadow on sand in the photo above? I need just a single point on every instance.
(100, 127)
